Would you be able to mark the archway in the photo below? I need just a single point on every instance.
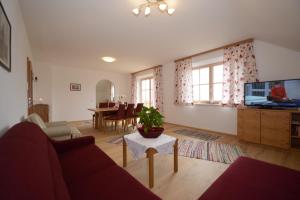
(105, 91)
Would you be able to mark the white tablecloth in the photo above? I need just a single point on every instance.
(138, 145)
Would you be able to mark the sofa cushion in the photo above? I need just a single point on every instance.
(250, 179)
(82, 162)
(29, 166)
(110, 183)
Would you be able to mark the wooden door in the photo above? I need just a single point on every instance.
(29, 87)
(249, 125)
(276, 128)
(42, 110)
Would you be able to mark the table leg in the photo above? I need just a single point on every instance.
(124, 153)
(150, 153)
(96, 120)
(100, 120)
(176, 156)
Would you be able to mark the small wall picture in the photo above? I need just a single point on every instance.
(75, 87)
(5, 40)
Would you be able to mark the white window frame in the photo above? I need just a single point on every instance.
(211, 83)
(151, 79)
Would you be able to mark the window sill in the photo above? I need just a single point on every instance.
(207, 104)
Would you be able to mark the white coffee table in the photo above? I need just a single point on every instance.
(139, 145)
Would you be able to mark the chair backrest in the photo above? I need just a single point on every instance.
(111, 104)
(129, 110)
(139, 108)
(36, 119)
(121, 111)
(103, 105)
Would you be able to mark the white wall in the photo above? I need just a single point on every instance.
(72, 105)
(13, 86)
(276, 63)
(273, 63)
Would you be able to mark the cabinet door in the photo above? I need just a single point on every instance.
(276, 128)
(249, 125)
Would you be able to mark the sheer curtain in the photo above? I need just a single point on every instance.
(239, 68)
(133, 88)
(184, 82)
(158, 89)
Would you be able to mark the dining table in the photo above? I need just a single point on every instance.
(99, 115)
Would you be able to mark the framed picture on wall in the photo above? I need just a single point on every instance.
(5, 40)
(75, 87)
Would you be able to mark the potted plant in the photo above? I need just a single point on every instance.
(151, 121)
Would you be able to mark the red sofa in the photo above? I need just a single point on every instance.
(250, 179)
(33, 167)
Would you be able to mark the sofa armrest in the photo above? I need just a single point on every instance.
(58, 123)
(67, 145)
(58, 131)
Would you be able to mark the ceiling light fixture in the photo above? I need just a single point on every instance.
(108, 59)
(146, 7)
(147, 11)
(163, 6)
(136, 11)
(171, 11)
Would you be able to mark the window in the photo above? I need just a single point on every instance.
(208, 83)
(146, 94)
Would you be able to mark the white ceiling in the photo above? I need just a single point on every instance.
(78, 33)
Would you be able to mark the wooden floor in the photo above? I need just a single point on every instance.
(194, 175)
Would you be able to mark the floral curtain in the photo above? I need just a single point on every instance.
(183, 82)
(158, 89)
(133, 88)
(239, 68)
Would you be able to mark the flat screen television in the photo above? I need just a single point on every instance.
(273, 94)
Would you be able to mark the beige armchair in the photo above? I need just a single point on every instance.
(54, 129)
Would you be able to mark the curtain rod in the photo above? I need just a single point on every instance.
(216, 49)
(146, 69)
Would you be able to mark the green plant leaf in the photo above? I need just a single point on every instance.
(149, 118)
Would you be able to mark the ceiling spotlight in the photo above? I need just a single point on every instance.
(171, 11)
(136, 11)
(163, 6)
(108, 59)
(147, 10)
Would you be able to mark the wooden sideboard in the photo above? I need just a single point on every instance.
(269, 127)
(42, 110)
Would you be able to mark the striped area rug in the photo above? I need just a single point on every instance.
(212, 151)
(116, 140)
(201, 135)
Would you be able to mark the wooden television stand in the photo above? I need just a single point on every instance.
(278, 128)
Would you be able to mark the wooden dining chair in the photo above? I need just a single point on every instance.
(100, 105)
(103, 105)
(138, 109)
(109, 113)
(129, 116)
(117, 117)
(111, 104)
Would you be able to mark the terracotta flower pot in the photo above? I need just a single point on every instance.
(154, 132)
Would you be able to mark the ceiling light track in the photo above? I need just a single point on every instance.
(162, 5)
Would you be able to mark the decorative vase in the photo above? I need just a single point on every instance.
(154, 132)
